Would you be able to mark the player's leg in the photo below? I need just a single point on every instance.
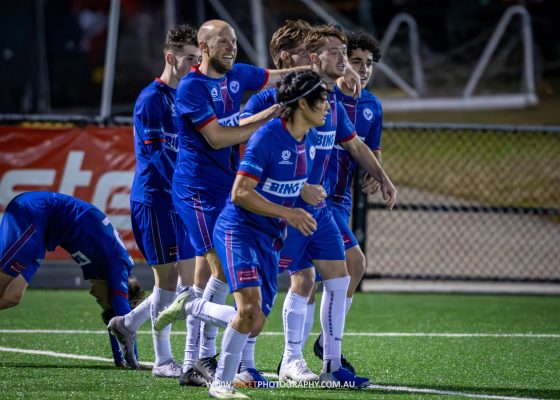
(154, 231)
(11, 290)
(328, 255)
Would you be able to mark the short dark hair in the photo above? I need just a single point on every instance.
(364, 41)
(288, 36)
(179, 36)
(302, 84)
(317, 36)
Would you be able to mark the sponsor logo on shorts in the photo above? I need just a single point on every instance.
(17, 267)
(248, 275)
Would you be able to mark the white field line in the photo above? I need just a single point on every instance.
(269, 375)
(365, 334)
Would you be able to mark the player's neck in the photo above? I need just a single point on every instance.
(207, 69)
(345, 90)
(297, 128)
(168, 78)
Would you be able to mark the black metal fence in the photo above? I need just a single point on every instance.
(475, 203)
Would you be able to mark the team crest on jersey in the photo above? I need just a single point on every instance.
(234, 86)
(368, 114)
(312, 152)
(214, 92)
(286, 154)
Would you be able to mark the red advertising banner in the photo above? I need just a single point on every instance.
(95, 164)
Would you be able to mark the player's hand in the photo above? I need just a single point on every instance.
(272, 112)
(313, 194)
(302, 221)
(369, 185)
(389, 192)
(352, 81)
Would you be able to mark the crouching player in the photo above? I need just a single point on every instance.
(35, 222)
(250, 230)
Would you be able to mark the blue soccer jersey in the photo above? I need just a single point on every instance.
(366, 115)
(37, 221)
(337, 129)
(155, 144)
(281, 166)
(201, 99)
(248, 244)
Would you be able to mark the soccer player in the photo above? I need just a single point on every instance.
(251, 227)
(35, 222)
(207, 107)
(286, 50)
(366, 115)
(159, 233)
(327, 49)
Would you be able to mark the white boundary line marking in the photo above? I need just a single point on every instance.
(365, 334)
(269, 375)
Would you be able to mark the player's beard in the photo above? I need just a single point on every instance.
(217, 65)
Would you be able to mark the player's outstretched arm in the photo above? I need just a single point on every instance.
(364, 156)
(274, 75)
(220, 137)
(266, 114)
(243, 194)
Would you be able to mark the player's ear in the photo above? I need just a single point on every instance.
(285, 57)
(170, 59)
(314, 57)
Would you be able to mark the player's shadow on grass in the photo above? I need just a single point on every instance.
(58, 366)
(513, 392)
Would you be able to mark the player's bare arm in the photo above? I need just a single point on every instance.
(370, 185)
(219, 137)
(244, 195)
(274, 75)
(266, 114)
(364, 156)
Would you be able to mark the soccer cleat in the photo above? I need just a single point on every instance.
(192, 378)
(125, 339)
(176, 309)
(342, 378)
(251, 378)
(206, 367)
(223, 390)
(170, 369)
(297, 371)
(318, 350)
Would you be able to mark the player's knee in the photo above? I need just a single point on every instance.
(356, 265)
(302, 282)
(251, 315)
(10, 300)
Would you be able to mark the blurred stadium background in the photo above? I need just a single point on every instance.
(471, 93)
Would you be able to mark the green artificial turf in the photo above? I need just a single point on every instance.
(454, 367)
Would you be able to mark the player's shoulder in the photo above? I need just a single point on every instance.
(371, 100)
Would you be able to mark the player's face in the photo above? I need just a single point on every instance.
(361, 61)
(317, 113)
(188, 57)
(332, 57)
(299, 57)
(222, 50)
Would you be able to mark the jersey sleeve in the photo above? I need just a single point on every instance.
(257, 103)
(256, 156)
(117, 281)
(192, 103)
(148, 115)
(373, 137)
(255, 77)
(344, 129)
